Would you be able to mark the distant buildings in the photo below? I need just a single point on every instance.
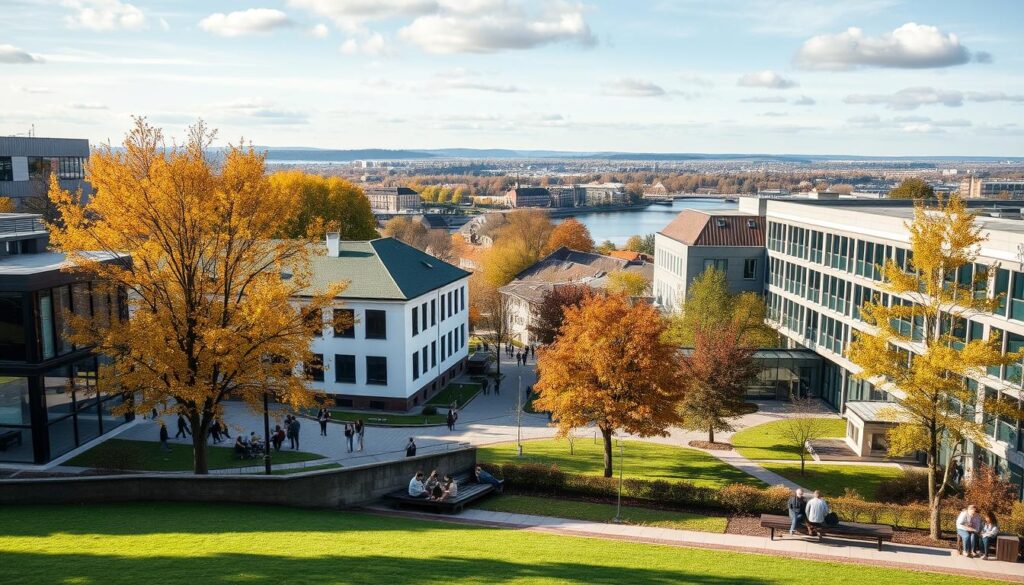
(393, 199)
(655, 192)
(27, 163)
(561, 267)
(518, 197)
(597, 194)
(975, 187)
(411, 325)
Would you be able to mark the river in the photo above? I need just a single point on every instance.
(618, 226)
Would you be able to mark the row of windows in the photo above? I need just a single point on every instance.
(345, 369)
(669, 261)
(451, 342)
(452, 302)
(39, 168)
(376, 321)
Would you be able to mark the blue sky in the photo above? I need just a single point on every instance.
(871, 77)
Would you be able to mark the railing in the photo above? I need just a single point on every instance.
(258, 468)
(13, 226)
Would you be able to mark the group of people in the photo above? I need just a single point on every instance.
(485, 385)
(976, 531)
(353, 431)
(523, 356)
(437, 489)
(218, 430)
(813, 514)
(249, 447)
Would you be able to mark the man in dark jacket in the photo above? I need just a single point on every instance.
(183, 430)
(796, 505)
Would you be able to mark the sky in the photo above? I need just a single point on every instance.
(864, 77)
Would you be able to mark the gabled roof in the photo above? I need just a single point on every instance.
(700, 228)
(384, 269)
(565, 266)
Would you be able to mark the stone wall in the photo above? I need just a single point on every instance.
(329, 488)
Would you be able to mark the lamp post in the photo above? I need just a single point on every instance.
(618, 504)
(266, 432)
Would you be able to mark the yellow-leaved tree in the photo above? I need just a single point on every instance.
(212, 297)
(324, 204)
(937, 401)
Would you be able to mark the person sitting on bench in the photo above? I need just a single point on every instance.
(796, 505)
(968, 525)
(416, 489)
(451, 489)
(817, 510)
(989, 533)
(483, 477)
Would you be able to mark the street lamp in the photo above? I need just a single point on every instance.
(618, 504)
(266, 432)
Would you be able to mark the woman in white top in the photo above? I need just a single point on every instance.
(989, 532)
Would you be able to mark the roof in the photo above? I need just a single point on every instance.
(389, 191)
(565, 266)
(384, 269)
(889, 412)
(530, 191)
(627, 255)
(700, 228)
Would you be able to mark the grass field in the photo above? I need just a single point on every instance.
(384, 418)
(642, 460)
(765, 442)
(833, 480)
(455, 392)
(183, 544)
(595, 512)
(146, 456)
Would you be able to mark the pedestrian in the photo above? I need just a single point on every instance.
(295, 430)
(183, 431)
(529, 391)
(497, 387)
(360, 432)
(533, 350)
(485, 346)
(483, 386)
(957, 472)
(410, 448)
(519, 358)
(349, 433)
(322, 417)
(796, 509)
(215, 432)
(451, 420)
(224, 429)
(163, 438)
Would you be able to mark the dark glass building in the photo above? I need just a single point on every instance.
(50, 402)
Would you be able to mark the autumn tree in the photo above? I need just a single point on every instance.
(717, 372)
(571, 234)
(912, 188)
(933, 388)
(324, 204)
(193, 244)
(610, 368)
(803, 425)
(494, 321)
(530, 228)
(641, 244)
(606, 247)
(709, 306)
(407, 229)
(7, 205)
(628, 282)
(550, 312)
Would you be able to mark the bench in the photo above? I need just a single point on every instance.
(8, 438)
(852, 530)
(469, 491)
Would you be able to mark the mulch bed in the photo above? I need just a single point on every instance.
(716, 446)
(751, 526)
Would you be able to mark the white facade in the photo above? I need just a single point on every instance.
(670, 274)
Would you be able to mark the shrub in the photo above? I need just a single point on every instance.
(534, 477)
(1015, 521)
(775, 499)
(989, 492)
(742, 499)
(909, 487)
(429, 410)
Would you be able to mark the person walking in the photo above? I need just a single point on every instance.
(295, 426)
(410, 448)
(322, 417)
(164, 435)
(215, 432)
(224, 428)
(968, 526)
(349, 433)
(796, 505)
(451, 419)
(183, 431)
(360, 432)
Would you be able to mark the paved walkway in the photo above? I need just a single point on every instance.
(918, 558)
(749, 467)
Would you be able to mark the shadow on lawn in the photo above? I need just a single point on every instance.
(233, 568)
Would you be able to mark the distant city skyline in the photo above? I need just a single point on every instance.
(874, 77)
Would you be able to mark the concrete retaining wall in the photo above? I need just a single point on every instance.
(329, 488)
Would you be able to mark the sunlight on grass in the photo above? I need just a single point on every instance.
(764, 441)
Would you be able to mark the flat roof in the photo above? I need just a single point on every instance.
(876, 412)
(25, 264)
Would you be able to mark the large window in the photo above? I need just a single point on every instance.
(345, 368)
(377, 370)
(376, 324)
(70, 168)
(345, 316)
(718, 264)
(415, 320)
(39, 168)
(6, 169)
(12, 327)
(750, 269)
(315, 368)
(415, 365)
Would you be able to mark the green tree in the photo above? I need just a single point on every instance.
(606, 247)
(641, 244)
(324, 204)
(912, 188)
(937, 401)
(710, 306)
(627, 282)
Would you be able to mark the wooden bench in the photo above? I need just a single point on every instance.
(8, 438)
(852, 530)
(469, 491)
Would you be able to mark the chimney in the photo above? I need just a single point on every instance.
(333, 244)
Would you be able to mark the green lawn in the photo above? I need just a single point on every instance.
(594, 512)
(765, 442)
(832, 480)
(455, 392)
(186, 544)
(385, 418)
(642, 460)
(146, 456)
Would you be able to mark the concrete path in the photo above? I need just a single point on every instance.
(749, 467)
(917, 558)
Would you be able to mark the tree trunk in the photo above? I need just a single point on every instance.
(497, 345)
(200, 459)
(711, 435)
(801, 463)
(606, 434)
(934, 501)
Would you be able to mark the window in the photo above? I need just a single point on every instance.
(345, 316)
(315, 368)
(345, 368)
(423, 314)
(70, 168)
(462, 299)
(433, 354)
(376, 324)
(718, 264)
(377, 370)
(415, 365)
(12, 327)
(6, 169)
(433, 312)
(315, 322)
(39, 168)
(423, 358)
(415, 320)
(750, 269)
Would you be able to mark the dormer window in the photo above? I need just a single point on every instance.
(752, 224)
(720, 222)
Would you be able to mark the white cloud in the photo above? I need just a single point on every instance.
(12, 55)
(245, 22)
(910, 98)
(504, 25)
(629, 87)
(804, 101)
(766, 78)
(319, 31)
(164, 25)
(908, 124)
(764, 99)
(257, 110)
(88, 106)
(994, 96)
(103, 15)
(911, 46)
(34, 89)
(373, 45)
(351, 14)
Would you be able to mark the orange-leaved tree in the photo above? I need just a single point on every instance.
(610, 368)
(212, 295)
(571, 234)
